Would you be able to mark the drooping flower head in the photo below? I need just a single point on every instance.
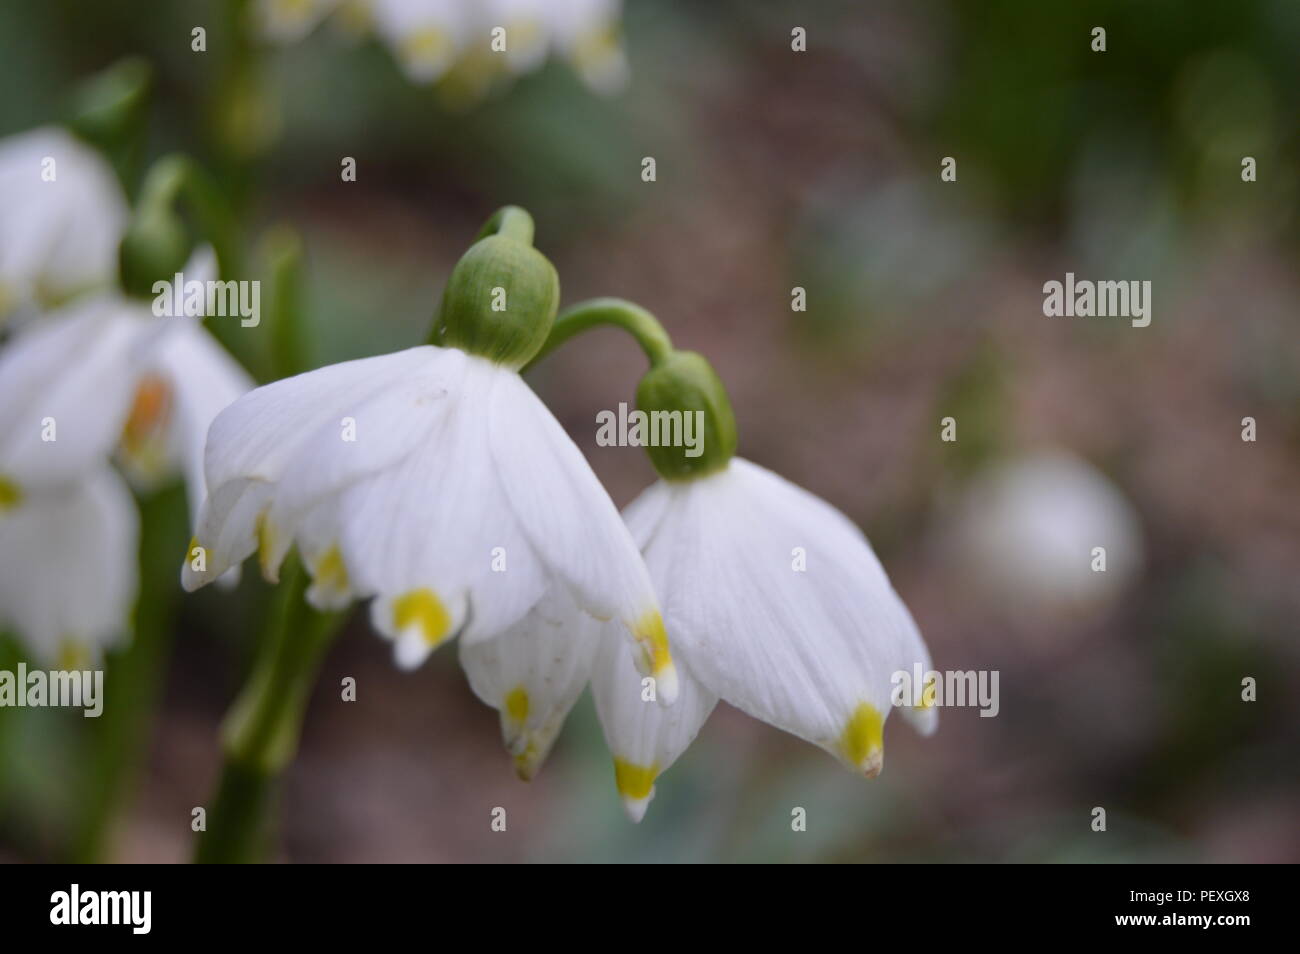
(432, 480)
(99, 380)
(774, 600)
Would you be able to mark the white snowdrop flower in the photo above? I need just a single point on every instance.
(587, 32)
(774, 602)
(63, 216)
(399, 477)
(98, 379)
(104, 376)
(808, 643)
(431, 38)
(1028, 529)
(527, 30)
(425, 36)
(68, 572)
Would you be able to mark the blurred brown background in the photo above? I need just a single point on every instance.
(820, 170)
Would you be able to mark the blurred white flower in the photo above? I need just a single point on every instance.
(435, 482)
(431, 38)
(587, 32)
(100, 378)
(809, 651)
(63, 217)
(68, 569)
(1027, 529)
(426, 36)
(105, 376)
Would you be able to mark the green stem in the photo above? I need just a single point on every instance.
(177, 177)
(510, 221)
(261, 731)
(282, 251)
(133, 677)
(632, 318)
(110, 111)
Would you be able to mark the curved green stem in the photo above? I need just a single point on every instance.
(261, 731)
(176, 177)
(510, 221)
(110, 111)
(618, 312)
(283, 253)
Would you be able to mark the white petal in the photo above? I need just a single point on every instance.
(425, 35)
(438, 520)
(587, 32)
(203, 380)
(527, 31)
(74, 370)
(373, 435)
(533, 673)
(572, 523)
(68, 567)
(253, 441)
(319, 541)
(810, 652)
(645, 738)
(418, 620)
(60, 235)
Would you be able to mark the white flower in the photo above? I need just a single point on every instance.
(105, 376)
(414, 478)
(426, 36)
(63, 217)
(100, 378)
(810, 651)
(587, 32)
(68, 568)
(1027, 528)
(430, 38)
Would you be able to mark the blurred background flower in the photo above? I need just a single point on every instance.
(779, 169)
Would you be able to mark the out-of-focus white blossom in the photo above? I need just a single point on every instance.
(62, 213)
(474, 39)
(102, 378)
(1028, 531)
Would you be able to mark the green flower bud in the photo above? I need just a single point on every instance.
(684, 381)
(155, 247)
(502, 296)
(110, 107)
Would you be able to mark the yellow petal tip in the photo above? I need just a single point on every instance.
(11, 495)
(421, 609)
(861, 743)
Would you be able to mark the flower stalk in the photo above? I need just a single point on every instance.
(157, 243)
(261, 731)
(677, 382)
(133, 676)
